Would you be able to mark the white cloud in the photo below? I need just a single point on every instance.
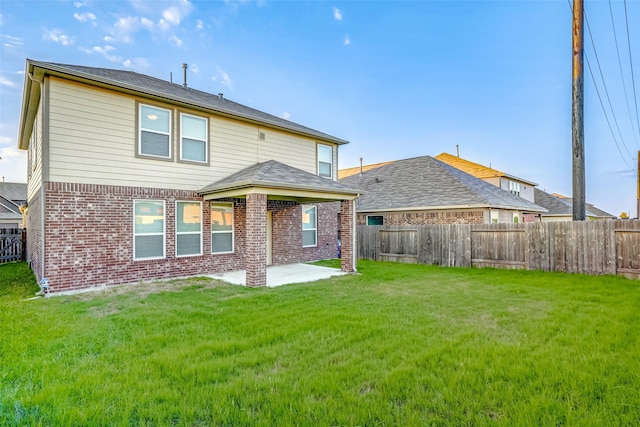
(105, 51)
(85, 17)
(199, 24)
(58, 36)
(78, 4)
(124, 28)
(6, 82)
(136, 63)
(347, 40)
(163, 25)
(285, 115)
(10, 41)
(195, 68)
(147, 23)
(224, 78)
(176, 40)
(337, 14)
(176, 13)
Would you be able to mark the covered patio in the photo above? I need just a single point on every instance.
(273, 182)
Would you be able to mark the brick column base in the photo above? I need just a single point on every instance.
(347, 236)
(256, 246)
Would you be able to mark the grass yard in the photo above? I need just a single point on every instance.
(396, 345)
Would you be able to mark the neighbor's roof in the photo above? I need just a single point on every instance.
(476, 169)
(343, 173)
(423, 183)
(563, 206)
(276, 175)
(133, 82)
(15, 191)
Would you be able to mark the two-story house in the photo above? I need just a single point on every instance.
(136, 178)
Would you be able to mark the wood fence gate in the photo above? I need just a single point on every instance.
(13, 244)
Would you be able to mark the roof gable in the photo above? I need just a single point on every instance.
(273, 174)
(424, 182)
(476, 169)
(129, 81)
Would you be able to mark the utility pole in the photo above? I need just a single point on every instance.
(577, 113)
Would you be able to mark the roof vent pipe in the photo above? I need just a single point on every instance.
(171, 77)
(360, 165)
(184, 73)
(221, 96)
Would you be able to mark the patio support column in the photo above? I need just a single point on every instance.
(256, 245)
(348, 235)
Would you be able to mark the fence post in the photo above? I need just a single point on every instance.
(24, 244)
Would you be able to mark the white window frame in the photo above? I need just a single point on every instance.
(315, 229)
(514, 188)
(205, 140)
(494, 216)
(233, 227)
(140, 129)
(180, 233)
(330, 147)
(164, 229)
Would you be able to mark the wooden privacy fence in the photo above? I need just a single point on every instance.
(13, 244)
(590, 247)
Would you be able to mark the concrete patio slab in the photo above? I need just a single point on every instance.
(279, 275)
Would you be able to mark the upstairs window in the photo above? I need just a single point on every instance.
(325, 161)
(221, 228)
(514, 188)
(154, 132)
(193, 139)
(309, 226)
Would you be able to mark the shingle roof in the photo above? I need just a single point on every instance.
(176, 92)
(274, 174)
(14, 191)
(563, 206)
(476, 169)
(424, 182)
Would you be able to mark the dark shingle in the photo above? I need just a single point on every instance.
(176, 92)
(277, 175)
(424, 182)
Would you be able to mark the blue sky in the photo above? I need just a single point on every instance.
(397, 79)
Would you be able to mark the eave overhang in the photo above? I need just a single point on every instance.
(81, 77)
(277, 191)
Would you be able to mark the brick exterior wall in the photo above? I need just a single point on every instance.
(89, 236)
(347, 261)
(34, 235)
(428, 217)
(256, 250)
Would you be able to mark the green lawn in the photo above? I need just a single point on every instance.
(396, 345)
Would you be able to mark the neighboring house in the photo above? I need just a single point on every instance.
(518, 186)
(135, 178)
(13, 195)
(560, 208)
(423, 190)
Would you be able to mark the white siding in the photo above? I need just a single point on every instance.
(34, 181)
(93, 140)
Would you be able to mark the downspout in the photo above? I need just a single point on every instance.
(44, 283)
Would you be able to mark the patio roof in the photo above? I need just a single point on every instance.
(279, 182)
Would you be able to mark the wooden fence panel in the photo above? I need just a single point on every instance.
(13, 244)
(627, 244)
(590, 247)
(498, 245)
(445, 245)
(398, 245)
